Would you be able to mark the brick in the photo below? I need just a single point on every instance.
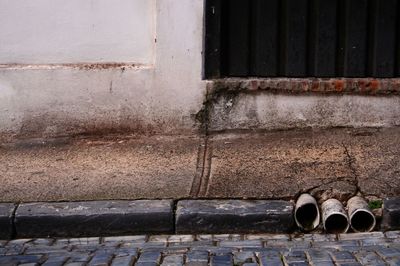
(43, 241)
(375, 241)
(204, 237)
(123, 261)
(79, 257)
(6, 212)
(295, 256)
(387, 252)
(21, 259)
(146, 264)
(318, 255)
(240, 258)
(191, 244)
(56, 261)
(343, 256)
(357, 236)
(393, 261)
(369, 258)
(215, 250)
(267, 237)
(75, 264)
(197, 263)
(270, 258)
(221, 260)
(393, 234)
(242, 244)
(94, 218)
(100, 259)
(31, 250)
(173, 260)
(233, 216)
(301, 263)
(197, 256)
(159, 238)
(140, 238)
(323, 263)
(391, 214)
(180, 238)
(84, 241)
(153, 257)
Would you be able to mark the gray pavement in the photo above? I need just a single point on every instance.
(374, 248)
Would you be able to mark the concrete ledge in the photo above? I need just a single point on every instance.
(94, 218)
(233, 216)
(6, 223)
(391, 214)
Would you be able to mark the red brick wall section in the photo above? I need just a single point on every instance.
(358, 86)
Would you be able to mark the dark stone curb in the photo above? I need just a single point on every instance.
(233, 216)
(94, 218)
(391, 214)
(6, 220)
(107, 218)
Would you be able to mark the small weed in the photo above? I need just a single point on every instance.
(375, 204)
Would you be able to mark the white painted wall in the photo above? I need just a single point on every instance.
(47, 100)
(73, 31)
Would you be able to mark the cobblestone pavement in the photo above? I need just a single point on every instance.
(311, 249)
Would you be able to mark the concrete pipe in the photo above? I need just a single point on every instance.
(306, 213)
(334, 217)
(361, 217)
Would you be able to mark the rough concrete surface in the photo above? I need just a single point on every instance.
(335, 163)
(376, 157)
(97, 168)
(327, 163)
(279, 165)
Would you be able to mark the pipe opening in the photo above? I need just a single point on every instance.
(307, 215)
(336, 223)
(362, 221)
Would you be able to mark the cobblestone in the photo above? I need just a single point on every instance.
(202, 250)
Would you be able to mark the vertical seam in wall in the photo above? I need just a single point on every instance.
(203, 151)
(196, 183)
(207, 178)
(204, 181)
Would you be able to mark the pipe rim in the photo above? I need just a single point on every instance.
(315, 222)
(341, 214)
(365, 211)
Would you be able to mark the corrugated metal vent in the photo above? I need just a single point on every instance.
(302, 38)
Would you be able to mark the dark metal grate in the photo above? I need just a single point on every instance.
(302, 38)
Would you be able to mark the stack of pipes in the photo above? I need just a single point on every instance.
(335, 218)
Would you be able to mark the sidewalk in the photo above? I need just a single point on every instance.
(310, 249)
(275, 165)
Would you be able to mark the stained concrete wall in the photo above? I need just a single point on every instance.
(98, 66)
(155, 85)
(268, 111)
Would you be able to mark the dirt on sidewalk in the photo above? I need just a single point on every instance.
(272, 165)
